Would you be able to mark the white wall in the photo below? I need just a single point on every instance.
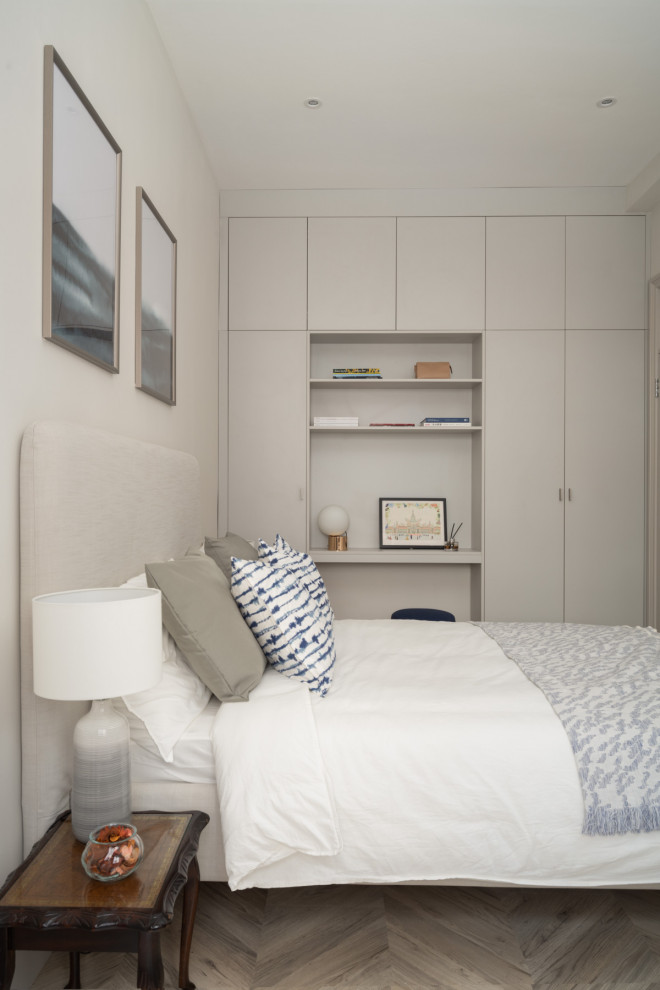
(113, 50)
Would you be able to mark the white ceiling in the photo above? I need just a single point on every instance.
(419, 94)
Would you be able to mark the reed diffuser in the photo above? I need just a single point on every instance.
(452, 543)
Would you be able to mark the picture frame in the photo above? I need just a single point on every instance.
(81, 221)
(413, 523)
(155, 302)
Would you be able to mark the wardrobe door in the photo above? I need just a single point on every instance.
(267, 273)
(606, 273)
(524, 476)
(268, 435)
(352, 273)
(440, 273)
(525, 273)
(605, 381)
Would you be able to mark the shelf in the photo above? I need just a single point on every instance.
(373, 555)
(417, 430)
(443, 383)
(394, 336)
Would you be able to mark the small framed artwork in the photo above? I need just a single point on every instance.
(413, 523)
(82, 191)
(155, 302)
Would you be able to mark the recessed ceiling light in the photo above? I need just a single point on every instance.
(607, 101)
(312, 104)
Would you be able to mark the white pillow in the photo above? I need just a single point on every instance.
(302, 565)
(293, 634)
(167, 709)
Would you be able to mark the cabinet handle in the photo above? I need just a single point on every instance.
(561, 494)
(570, 495)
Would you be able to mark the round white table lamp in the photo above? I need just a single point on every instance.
(93, 645)
(333, 522)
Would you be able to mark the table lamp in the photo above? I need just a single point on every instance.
(333, 522)
(93, 645)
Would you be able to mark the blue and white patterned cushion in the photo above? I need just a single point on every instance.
(302, 565)
(291, 631)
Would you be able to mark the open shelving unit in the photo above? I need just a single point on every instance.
(354, 466)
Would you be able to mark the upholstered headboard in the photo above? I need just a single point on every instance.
(94, 508)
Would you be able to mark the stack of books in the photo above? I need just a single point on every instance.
(336, 421)
(452, 421)
(356, 373)
(384, 425)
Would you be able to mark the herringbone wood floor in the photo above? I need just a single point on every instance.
(403, 938)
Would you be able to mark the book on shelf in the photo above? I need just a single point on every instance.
(353, 375)
(445, 421)
(356, 371)
(385, 425)
(336, 421)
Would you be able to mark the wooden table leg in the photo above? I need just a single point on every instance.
(7, 959)
(151, 975)
(190, 898)
(74, 971)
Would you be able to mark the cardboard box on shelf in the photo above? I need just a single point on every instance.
(433, 369)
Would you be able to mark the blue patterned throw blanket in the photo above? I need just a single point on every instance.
(604, 684)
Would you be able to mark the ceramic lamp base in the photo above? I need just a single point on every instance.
(101, 790)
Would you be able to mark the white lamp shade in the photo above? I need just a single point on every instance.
(333, 520)
(96, 643)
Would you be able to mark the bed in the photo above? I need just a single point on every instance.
(433, 752)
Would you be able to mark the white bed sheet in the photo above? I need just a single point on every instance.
(192, 756)
(431, 758)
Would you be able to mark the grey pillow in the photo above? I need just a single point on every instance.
(200, 614)
(223, 548)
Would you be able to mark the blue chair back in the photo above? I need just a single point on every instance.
(429, 614)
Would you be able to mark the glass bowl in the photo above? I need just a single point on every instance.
(113, 852)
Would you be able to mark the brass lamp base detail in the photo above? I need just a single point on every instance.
(338, 542)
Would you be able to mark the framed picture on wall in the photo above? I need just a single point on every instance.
(155, 302)
(413, 523)
(82, 193)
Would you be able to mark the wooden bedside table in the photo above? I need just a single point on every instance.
(49, 902)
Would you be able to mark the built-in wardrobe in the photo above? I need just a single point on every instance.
(565, 408)
(543, 322)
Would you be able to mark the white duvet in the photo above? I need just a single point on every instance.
(431, 758)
